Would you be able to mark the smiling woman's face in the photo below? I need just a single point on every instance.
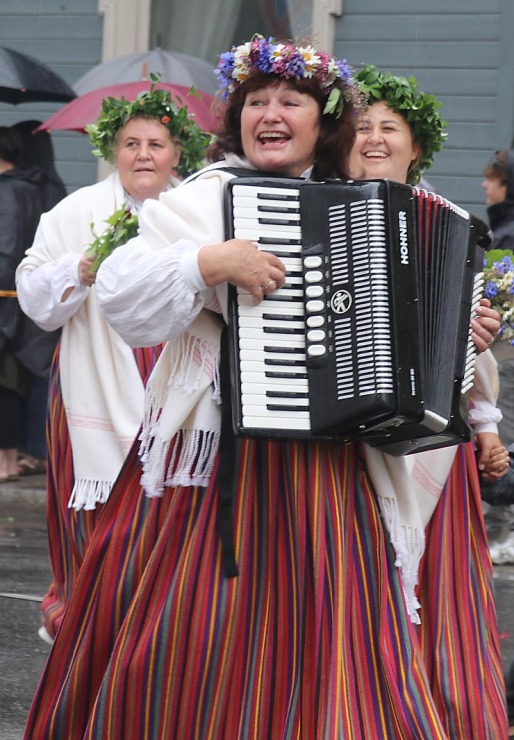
(145, 157)
(384, 147)
(280, 128)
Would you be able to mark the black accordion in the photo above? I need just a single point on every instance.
(370, 336)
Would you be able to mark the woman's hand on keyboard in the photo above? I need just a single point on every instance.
(240, 262)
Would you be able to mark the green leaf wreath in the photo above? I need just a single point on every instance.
(154, 103)
(420, 110)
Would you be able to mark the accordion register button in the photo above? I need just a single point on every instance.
(313, 276)
(314, 306)
(316, 350)
(314, 291)
(316, 335)
(314, 321)
(311, 262)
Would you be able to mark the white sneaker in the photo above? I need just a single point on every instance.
(502, 553)
(507, 556)
(494, 552)
(43, 633)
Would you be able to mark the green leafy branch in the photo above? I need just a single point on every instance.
(122, 227)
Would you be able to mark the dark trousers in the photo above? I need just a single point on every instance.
(509, 685)
(34, 436)
(12, 410)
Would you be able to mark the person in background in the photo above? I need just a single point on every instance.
(495, 483)
(20, 209)
(96, 383)
(247, 584)
(38, 151)
(498, 185)
(35, 347)
(396, 139)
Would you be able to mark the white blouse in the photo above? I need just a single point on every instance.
(175, 285)
(40, 290)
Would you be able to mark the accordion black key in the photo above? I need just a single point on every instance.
(369, 338)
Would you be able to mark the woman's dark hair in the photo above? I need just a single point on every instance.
(10, 145)
(336, 134)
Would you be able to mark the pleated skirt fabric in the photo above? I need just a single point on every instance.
(69, 531)
(311, 640)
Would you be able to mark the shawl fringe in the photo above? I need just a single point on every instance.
(409, 545)
(193, 356)
(190, 464)
(86, 494)
(187, 459)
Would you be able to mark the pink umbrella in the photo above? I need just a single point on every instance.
(74, 116)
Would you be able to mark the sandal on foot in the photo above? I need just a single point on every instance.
(28, 465)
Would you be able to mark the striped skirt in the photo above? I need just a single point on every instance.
(311, 640)
(69, 531)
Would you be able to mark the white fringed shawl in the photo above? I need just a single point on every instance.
(183, 392)
(101, 386)
(408, 489)
(182, 405)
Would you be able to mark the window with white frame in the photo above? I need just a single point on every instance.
(206, 28)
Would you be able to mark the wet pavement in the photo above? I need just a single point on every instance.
(25, 576)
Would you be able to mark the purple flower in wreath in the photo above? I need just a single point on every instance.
(344, 71)
(224, 72)
(286, 63)
(261, 54)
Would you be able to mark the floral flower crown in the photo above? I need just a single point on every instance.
(419, 109)
(290, 62)
(154, 103)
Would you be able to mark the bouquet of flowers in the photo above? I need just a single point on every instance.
(499, 288)
(122, 226)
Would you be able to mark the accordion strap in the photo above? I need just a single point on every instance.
(228, 453)
(229, 442)
(241, 172)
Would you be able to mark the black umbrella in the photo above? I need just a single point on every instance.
(24, 79)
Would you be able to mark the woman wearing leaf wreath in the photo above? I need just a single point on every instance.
(303, 631)
(396, 138)
(96, 401)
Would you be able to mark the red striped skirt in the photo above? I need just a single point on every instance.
(69, 531)
(311, 640)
